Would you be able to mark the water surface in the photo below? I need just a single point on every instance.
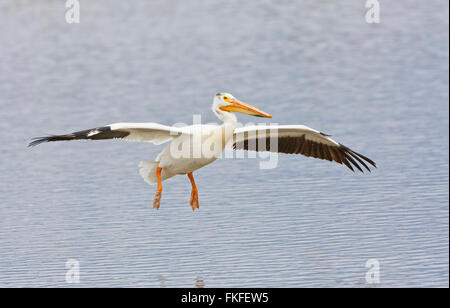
(380, 89)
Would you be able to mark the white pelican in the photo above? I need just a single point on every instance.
(291, 139)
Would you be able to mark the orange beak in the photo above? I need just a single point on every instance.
(238, 106)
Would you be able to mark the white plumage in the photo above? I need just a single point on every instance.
(195, 146)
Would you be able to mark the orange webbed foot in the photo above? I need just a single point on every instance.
(194, 194)
(194, 200)
(157, 200)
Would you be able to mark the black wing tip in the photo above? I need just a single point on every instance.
(38, 140)
(98, 133)
(359, 157)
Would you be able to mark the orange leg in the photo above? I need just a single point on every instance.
(194, 194)
(157, 200)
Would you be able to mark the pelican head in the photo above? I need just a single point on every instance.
(228, 103)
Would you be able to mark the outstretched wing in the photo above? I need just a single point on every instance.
(147, 132)
(298, 139)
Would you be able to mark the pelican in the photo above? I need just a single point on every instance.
(198, 145)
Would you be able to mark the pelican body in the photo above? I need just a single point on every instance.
(196, 146)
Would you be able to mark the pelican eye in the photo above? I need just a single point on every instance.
(226, 98)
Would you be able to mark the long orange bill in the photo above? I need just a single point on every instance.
(238, 106)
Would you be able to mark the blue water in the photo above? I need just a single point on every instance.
(381, 89)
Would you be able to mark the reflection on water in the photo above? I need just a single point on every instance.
(162, 281)
(380, 89)
(199, 282)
